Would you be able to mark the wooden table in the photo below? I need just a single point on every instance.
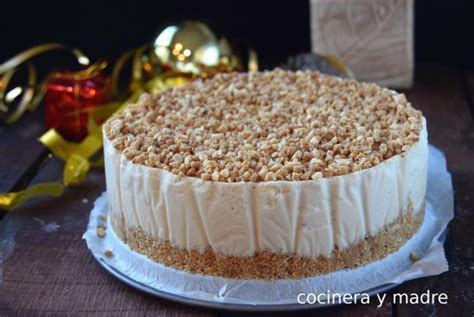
(46, 268)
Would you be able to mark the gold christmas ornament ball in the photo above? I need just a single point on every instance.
(187, 47)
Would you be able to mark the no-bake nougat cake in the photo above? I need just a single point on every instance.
(269, 175)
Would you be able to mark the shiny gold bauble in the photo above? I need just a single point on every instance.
(188, 47)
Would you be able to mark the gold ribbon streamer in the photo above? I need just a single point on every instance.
(15, 61)
(33, 92)
(75, 155)
(338, 65)
(10, 201)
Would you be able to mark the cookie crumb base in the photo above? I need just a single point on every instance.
(267, 265)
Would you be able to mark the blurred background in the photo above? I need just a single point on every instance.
(105, 29)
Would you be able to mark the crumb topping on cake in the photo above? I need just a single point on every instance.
(266, 126)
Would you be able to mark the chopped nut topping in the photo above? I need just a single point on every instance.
(267, 126)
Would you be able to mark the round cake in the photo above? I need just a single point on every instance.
(267, 175)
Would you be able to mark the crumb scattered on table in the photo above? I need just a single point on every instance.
(100, 232)
(40, 221)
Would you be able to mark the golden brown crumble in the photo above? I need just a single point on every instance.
(267, 265)
(266, 126)
(100, 232)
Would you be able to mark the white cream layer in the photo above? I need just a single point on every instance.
(309, 218)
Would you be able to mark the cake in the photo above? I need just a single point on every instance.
(268, 175)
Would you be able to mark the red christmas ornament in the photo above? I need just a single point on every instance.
(70, 96)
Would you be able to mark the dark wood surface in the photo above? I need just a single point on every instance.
(46, 268)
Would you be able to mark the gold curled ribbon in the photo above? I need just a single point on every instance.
(338, 65)
(75, 155)
(10, 201)
(33, 92)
